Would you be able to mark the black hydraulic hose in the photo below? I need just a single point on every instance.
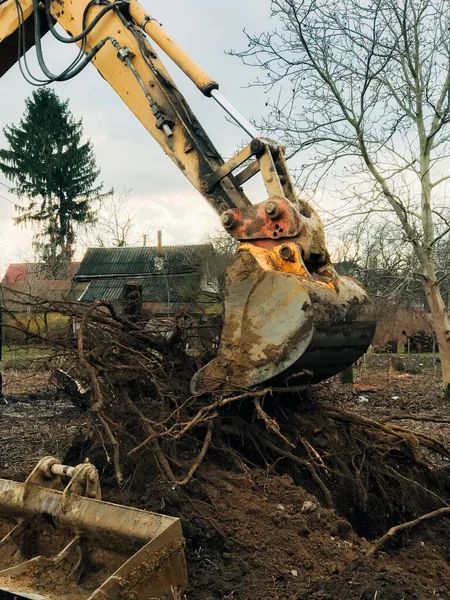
(88, 29)
(68, 73)
(22, 53)
(21, 50)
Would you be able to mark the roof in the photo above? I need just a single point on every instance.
(165, 288)
(21, 272)
(131, 262)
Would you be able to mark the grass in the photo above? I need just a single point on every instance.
(23, 357)
(37, 323)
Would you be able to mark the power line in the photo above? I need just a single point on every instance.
(4, 197)
(7, 200)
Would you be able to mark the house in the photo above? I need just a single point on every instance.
(23, 288)
(22, 281)
(170, 280)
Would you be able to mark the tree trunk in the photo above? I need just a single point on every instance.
(441, 323)
(346, 376)
(396, 365)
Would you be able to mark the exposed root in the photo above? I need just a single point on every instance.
(329, 502)
(97, 390)
(424, 418)
(201, 456)
(414, 438)
(116, 448)
(271, 424)
(376, 546)
(153, 436)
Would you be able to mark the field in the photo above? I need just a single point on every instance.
(259, 532)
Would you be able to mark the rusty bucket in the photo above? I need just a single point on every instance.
(285, 323)
(66, 544)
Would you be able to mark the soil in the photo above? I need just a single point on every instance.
(35, 422)
(255, 533)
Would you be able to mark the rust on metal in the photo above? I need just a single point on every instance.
(274, 219)
(64, 544)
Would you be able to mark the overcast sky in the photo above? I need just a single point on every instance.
(126, 153)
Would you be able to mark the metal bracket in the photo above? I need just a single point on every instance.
(270, 161)
(274, 219)
(84, 479)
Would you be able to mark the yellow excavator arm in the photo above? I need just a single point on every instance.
(287, 313)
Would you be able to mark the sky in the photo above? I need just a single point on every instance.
(126, 153)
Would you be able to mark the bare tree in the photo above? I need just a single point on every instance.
(216, 263)
(116, 224)
(363, 97)
(378, 255)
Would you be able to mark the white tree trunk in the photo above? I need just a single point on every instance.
(441, 323)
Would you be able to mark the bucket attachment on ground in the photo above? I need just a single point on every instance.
(285, 322)
(66, 544)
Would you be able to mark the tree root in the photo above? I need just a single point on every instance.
(201, 456)
(153, 436)
(271, 424)
(424, 418)
(116, 448)
(329, 502)
(376, 546)
(413, 438)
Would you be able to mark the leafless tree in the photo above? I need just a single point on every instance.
(116, 225)
(377, 254)
(216, 264)
(362, 95)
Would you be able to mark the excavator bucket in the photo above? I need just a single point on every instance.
(69, 545)
(286, 324)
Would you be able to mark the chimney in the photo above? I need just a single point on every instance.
(160, 248)
(144, 240)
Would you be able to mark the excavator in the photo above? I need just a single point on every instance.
(289, 318)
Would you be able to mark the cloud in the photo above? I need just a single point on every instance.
(184, 218)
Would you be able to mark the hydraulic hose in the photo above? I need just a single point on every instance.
(89, 28)
(69, 73)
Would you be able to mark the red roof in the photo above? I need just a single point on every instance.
(20, 272)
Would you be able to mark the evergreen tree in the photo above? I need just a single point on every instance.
(55, 172)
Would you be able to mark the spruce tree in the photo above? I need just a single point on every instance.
(54, 171)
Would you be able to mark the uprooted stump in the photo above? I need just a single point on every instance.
(145, 427)
(143, 419)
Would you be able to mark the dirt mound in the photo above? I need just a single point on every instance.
(259, 536)
(384, 580)
(269, 537)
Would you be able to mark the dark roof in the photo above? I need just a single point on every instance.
(166, 288)
(126, 262)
